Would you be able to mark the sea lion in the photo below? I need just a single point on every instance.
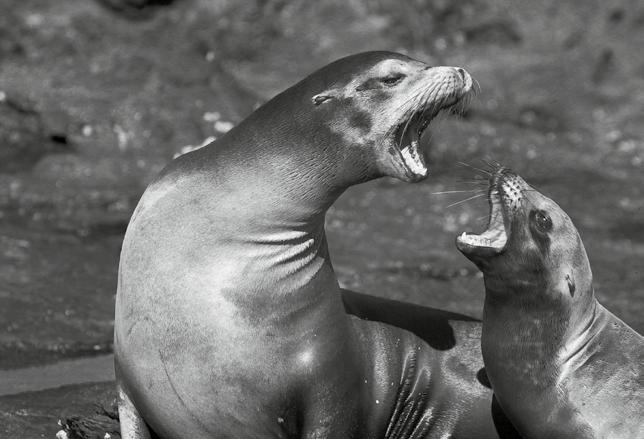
(229, 318)
(561, 365)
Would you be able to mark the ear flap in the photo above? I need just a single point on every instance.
(325, 96)
(571, 285)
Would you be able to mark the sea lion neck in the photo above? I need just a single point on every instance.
(527, 333)
(280, 169)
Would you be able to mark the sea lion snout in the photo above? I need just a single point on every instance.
(399, 96)
(529, 239)
(456, 77)
(512, 201)
(546, 342)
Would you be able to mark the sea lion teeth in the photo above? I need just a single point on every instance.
(230, 321)
(575, 370)
(412, 159)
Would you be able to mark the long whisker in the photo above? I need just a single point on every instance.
(426, 99)
(422, 100)
(492, 164)
(481, 182)
(475, 168)
(408, 114)
(465, 200)
(404, 131)
(409, 109)
(459, 192)
(477, 87)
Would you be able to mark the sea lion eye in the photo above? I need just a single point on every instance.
(392, 79)
(543, 221)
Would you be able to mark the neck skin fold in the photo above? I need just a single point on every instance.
(271, 202)
(528, 346)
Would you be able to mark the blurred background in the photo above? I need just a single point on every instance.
(97, 96)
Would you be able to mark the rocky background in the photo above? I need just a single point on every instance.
(97, 96)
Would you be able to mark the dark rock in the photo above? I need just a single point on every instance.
(604, 66)
(135, 9)
(616, 16)
(9, 44)
(502, 33)
(84, 409)
(575, 39)
(94, 426)
(21, 136)
(26, 136)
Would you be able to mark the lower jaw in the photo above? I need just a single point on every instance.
(413, 163)
(412, 177)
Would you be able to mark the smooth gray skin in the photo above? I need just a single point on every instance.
(561, 365)
(229, 319)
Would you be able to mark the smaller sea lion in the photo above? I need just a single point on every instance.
(560, 364)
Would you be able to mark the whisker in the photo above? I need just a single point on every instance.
(426, 97)
(421, 101)
(475, 168)
(462, 105)
(492, 163)
(399, 107)
(412, 104)
(480, 182)
(465, 200)
(477, 87)
(458, 192)
(426, 100)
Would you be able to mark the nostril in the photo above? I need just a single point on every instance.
(461, 72)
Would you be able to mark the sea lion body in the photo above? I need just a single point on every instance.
(560, 364)
(229, 318)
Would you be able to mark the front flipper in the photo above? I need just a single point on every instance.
(132, 424)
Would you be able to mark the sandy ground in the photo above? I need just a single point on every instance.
(94, 101)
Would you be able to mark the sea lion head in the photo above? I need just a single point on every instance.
(531, 247)
(379, 104)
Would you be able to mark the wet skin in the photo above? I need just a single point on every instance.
(229, 318)
(561, 364)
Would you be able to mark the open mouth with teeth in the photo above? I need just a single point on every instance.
(407, 138)
(494, 239)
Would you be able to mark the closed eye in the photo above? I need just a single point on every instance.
(392, 79)
(377, 83)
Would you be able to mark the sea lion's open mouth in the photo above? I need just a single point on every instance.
(494, 239)
(409, 133)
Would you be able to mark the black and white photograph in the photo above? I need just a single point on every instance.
(285, 219)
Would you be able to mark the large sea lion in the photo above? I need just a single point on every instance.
(561, 365)
(230, 322)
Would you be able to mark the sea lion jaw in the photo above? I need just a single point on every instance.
(430, 91)
(529, 240)
(504, 197)
(385, 109)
